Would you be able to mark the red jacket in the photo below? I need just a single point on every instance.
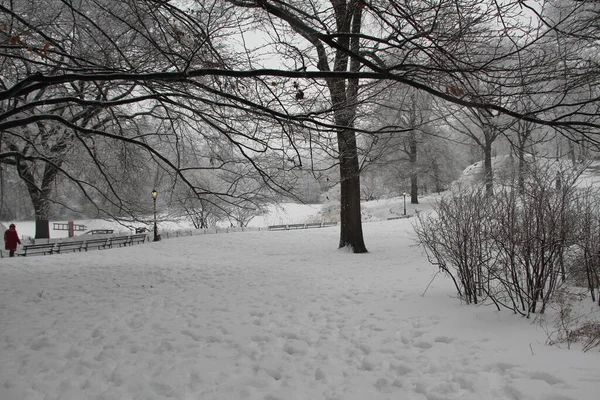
(11, 239)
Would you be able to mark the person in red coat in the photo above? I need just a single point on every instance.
(11, 240)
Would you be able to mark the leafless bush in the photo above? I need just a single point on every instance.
(517, 247)
(585, 265)
(533, 229)
(457, 240)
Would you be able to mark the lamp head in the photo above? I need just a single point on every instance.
(154, 194)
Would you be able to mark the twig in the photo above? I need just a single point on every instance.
(423, 295)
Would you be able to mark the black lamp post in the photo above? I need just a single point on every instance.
(154, 196)
(404, 195)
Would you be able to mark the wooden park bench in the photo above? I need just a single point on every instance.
(277, 227)
(140, 238)
(301, 226)
(99, 243)
(117, 241)
(31, 249)
(76, 245)
(399, 217)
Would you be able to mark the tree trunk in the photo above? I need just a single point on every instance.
(40, 197)
(42, 229)
(414, 184)
(521, 169)
(351, 234)
(572, 152)
(487, 168)
(436, 177)
(344, 96)
(41, 209)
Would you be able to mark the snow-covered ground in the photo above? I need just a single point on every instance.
(272, 316)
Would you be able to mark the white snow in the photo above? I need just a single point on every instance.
(268, 315)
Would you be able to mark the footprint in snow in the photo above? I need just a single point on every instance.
(295, 346)
(401, 369)
(191, 334)
(444, 339)
(423, 345)
(371, 362)
(500, 366)
(258, 338)
(257, 314)
(546, 377)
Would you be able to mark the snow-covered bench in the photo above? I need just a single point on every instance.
(301, 226)
(31, 249)
(296, 226)
(72, 245)
(99, 243)
(277, 227)
(140, 238)
(118, 241)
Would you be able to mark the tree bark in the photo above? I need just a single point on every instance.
(344, 96)
(351, 234)
(436, 177)
(414, 174)
(487, 163)
(40, 196)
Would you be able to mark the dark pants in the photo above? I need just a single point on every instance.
(11, 253)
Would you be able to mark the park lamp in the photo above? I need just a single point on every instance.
(154, 196)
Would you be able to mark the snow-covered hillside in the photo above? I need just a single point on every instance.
(285, 213)
(268, 316)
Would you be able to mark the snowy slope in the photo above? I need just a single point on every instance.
(285, 213)
(270, 316)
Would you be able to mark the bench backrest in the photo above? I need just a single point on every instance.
(139, 237)
(101, 240)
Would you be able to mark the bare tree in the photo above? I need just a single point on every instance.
(405, 116)
(184, 67)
